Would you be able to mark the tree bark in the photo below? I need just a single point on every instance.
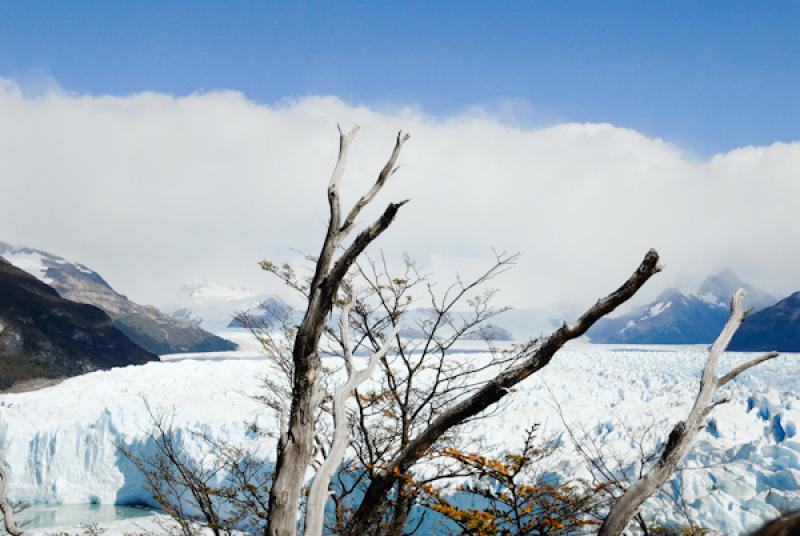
(683, 435)
(295, 448)
(318, 495)
(537, 356)
(5, 507)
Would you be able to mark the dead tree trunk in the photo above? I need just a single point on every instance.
(295, 449)
(5, 507)
(684, 434)
(535, 356)
(318, 495)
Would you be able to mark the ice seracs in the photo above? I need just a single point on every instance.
(743, 470)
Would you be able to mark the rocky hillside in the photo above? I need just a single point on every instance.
(774, 328)
(676, 317)
(673, 318)
(43, 335)
(145, 325)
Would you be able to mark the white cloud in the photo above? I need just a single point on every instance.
(152, 190)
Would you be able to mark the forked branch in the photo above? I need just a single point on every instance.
(295, 449)
(318, 495)
(534, 356)
(388, 170)
(683, 435)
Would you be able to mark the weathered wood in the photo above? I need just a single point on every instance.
(683, 435)
(537, 355)
(5, 507)
(295, 448)
(786, 525)
(318, 495)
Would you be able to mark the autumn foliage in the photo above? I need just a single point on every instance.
(512, 497)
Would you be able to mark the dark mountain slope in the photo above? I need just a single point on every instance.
(43, 335)
(145, 325)
(774, 328)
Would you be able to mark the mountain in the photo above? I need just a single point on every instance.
(676, 317)
(719, 288)
(216, 306)
(774, 328)
(271, 312)
(673, 318)
(43, 335)
(145, 325)
(489, 331)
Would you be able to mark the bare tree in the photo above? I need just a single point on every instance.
(417, 380)
(613, 472)
(318, 495)
(6, 508)
(295, 448)
(532, 357)
(221, 491)
(683, 435)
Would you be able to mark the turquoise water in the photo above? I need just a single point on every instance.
(43, 516)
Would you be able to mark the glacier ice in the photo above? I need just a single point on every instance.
(59, 442)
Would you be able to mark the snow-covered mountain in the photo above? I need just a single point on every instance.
(774, 328)
(271, 312)
(675, 317)
(145, 325)
(719, 288)
(44, 336)
(216, 306)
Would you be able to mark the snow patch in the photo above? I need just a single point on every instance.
(658, 308)
(33, 263)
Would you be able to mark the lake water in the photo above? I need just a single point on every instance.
(42, 516)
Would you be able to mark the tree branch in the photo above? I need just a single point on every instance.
(5, 507)
(683, 435)
(744, 366)
(318, 495)
(388, 170)
(536, 356)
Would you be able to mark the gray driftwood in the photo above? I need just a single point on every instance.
(683, 435)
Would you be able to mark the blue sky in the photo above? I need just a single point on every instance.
(707, 76)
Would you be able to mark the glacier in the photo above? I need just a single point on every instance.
(59, 443)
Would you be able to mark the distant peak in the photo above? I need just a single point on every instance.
(722, 285)
(668, 294)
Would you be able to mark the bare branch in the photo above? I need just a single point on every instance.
(683, 435)
(296, 453)
(537, 355)
(388, 170)
(744, 366)
(317, 496)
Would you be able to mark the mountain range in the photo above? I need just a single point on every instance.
(45, 336)
(676, 317)
(145, 325)
(216, 306)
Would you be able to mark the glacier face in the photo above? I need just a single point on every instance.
(60, 442)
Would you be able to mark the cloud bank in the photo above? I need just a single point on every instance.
(152, 191)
